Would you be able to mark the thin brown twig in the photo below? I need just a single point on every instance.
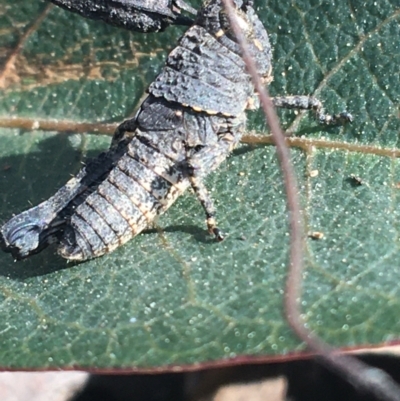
(369, 379)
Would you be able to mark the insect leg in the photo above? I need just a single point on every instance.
(186, 7)
(135, 15)
(124, 130)
(205, 199)
(312, 103)
(199, 165)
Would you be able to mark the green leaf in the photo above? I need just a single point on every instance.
(172, 295)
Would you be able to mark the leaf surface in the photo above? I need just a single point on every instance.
(172, 296)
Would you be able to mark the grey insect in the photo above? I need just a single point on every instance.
(192, 119)
(135, 15)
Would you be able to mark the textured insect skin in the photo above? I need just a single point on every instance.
(33, 230)
(135, 15)
(192, 119)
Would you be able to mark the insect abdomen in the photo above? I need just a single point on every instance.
(142, 185)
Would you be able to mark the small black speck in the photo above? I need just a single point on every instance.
(354, 180)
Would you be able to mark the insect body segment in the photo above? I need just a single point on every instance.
(143, 184)
(204, 74)
(153, 171)
(192, 119)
